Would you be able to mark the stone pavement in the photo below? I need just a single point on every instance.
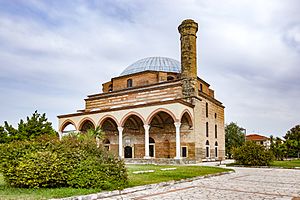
(245, 183)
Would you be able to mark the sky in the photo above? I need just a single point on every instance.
(55, 53)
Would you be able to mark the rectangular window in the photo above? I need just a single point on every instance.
(216, 131)
(184, 152)
(201, 87)
(206, 109)
(206, 129)
(216, 152)
(207, 152)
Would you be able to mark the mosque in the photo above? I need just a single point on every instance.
(158, 109)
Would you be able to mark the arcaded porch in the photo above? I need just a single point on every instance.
(144, 133)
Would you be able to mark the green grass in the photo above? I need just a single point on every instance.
(286, 163)
(181, 172)
(289, 164)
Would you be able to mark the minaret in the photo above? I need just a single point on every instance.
(188, 29)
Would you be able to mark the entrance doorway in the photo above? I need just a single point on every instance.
(151, 147)
(128, 152)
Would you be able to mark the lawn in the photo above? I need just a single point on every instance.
(181, 172)
(286, 163)
(158, 175)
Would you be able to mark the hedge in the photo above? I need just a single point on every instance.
(50, 163)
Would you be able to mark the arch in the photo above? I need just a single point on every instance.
(151, 140)
(150, 117)
(170, 78)
(106, 141)
(105, 117)
(189, 118)
(84, 120)
(207, 149)
(129, 83)
(66, 123)
(128, 115)
(216, 149)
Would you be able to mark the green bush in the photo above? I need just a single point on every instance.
(253, 154)
(72, 162)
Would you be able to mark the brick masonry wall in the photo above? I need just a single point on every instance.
(136, 98)
(139, 79)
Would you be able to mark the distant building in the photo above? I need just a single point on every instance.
(259, 139)
(158, 108)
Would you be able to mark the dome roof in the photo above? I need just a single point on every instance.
(153, 64)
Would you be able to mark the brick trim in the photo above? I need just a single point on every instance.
(129, 107)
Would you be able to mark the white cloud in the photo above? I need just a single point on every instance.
(54, 53)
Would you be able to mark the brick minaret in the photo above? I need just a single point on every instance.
(188, 29)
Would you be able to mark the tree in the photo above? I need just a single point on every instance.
(278, 147)
(292, 138)
(234, 137)
(252, 154)
(33, 127)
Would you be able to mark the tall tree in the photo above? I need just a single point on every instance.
(234, 137)
(34, 126)
(292, 138)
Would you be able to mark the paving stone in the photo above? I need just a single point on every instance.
(245, 183)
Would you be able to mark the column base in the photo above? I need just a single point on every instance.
(178, 158)
(147, 157)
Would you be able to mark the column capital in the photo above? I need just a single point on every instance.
(177, 124)
(120, 128)
(146, 126)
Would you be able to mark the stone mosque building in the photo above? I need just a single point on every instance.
(157, 109)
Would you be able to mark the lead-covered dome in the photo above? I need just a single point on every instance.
(153, 64)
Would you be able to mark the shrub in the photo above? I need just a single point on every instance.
(72, 162)
(252, 154)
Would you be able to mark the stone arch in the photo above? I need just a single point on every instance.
(85, 120)
(66, 123)
(105, 117)
(128, 115)
(186, 113)
(150, 117)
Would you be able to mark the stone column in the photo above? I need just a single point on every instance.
(177, 126)
(120, 129)
(147, 128)
(60, 134)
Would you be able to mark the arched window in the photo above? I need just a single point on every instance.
(206, 129)
(129, 83)
(216, 150)
(110, 88)
(170, 78)
(207, 149)
(216, 131)
(151, 140)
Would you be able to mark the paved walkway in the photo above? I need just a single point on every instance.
(246, 183)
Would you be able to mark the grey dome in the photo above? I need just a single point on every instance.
(153, 64)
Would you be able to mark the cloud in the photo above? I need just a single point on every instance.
(54, 53)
